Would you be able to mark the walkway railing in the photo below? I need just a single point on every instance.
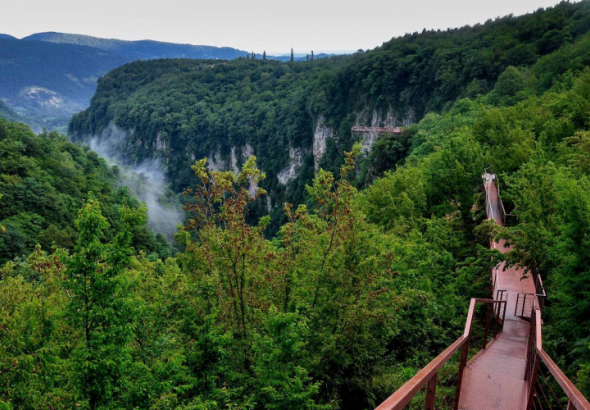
(541, 393)
(428, 376)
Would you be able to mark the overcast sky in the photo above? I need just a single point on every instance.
(271, 25)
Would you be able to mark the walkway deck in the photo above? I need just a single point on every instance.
(494, 379)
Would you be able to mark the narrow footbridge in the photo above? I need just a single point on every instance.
(498, 362)
(377, 130)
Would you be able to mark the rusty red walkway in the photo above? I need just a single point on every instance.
(494, 379)
(504, 374)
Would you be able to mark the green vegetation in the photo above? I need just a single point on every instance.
(44, 181)
(51, 76)
(46, 83)
(355, 292)
(333, 313)
(179, 110)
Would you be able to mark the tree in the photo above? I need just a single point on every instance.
(292, 56)
(506, 91)
(264, 55)
(100, 305)
(311, 55)
(253, 56)
(2, 228)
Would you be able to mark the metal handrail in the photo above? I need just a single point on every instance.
(489, 208)
(502, 209)
(535, 351)
(428, 375)
(500, 296)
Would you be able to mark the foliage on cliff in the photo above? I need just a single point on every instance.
(44, 180)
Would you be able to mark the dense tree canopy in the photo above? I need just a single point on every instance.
(44, 180)
(356, 292)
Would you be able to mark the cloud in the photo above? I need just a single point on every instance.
(146, 181)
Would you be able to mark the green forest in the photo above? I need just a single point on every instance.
(178, 110)
(359, 276)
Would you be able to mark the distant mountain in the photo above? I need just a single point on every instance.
(47, 77)
(46, 83)
(143, 49)
(7, 113)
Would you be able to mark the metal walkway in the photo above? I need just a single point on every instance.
(503, 375)
(494, 379)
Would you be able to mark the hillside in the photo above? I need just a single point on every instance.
(7, 113)
(296, 117)
(44, 181)
(357, 291)
(47, 77)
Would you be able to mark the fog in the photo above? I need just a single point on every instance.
(146, 182)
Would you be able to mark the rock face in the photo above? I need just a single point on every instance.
(237, 157)
(290, 172)
(215, 162)
(322, 134)
(161, 142)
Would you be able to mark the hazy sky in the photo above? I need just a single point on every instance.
(271, 25)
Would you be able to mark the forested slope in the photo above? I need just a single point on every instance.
(7, 113)
(44, 180)
(297, 116)
(46, 83)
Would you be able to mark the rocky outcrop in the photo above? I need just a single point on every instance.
(322, 134)
(237, 157)
(290, 172)
(215, 162)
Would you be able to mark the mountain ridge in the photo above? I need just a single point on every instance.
(140, 49)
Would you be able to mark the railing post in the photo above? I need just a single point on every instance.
(431, 392)
(533, 380)
(571, 406)
(496, 319)
(516, 304)
(504, 315)
(485, 339)
(462, 364)
(523, 305)
(530, 346)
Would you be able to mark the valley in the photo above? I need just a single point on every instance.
(196, 228)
